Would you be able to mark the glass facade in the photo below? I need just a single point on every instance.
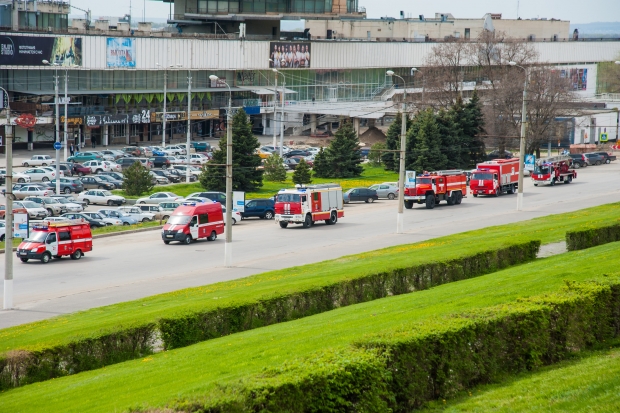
(263, 6)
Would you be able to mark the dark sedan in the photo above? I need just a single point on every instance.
(94, 223)
(109, 178)
(296, 152)
(360, 195)
(164, 173)
(80, 170)
(94, 182)
(68, 185)
(594, 159)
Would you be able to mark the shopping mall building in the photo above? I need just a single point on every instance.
(116, 75)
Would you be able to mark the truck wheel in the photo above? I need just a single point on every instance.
(308, 221)
(24, 259)
(553, 182)
(213, 236)
(283, 224)
(333, 218)
(46, 257)
(459, 198)
(76, 255)
(187, 240)
(450, 200)
(430, 202)
(408, 204)
(497, 192)
(569, 179)
(268, 215)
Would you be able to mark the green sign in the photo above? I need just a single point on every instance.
(604, 137)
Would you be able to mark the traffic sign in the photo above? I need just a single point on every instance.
(57, 145)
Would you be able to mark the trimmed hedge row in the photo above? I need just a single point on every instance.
(19, 367)
(402, 370)
(587, 238)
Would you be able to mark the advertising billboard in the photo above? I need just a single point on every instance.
(289, 55)
(31, 51)
(120, 52)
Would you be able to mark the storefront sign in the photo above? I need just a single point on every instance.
(98, 120)
(31, 51)
(204, 114)
(157, 117)
(143, 117)
(120, 52)
(72, 120)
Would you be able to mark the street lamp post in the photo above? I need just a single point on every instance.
(229, 172)
(8, 236)
(522, 140)
(57, 104)
(276, 71)
(275, 91)
(189, 124)
(65, 135)
(415, 70)
(400, 223)
(163, 121)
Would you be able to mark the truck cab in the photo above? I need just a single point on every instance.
(56, 239)
(308, 205)
(192, 221)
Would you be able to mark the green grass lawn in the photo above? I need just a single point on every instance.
(371, 175)
(197, 371)
(91, 323)
(588, 384)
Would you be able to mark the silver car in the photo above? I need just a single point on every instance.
(387, 190)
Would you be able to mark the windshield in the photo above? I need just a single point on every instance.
(94, 215)
(288, 198)
(179, 219)
(37, 236)
(28, 204)
(482, 177)
(542, 170)
(50, 201)
(423, 180)
(62, 200)
(107, 193)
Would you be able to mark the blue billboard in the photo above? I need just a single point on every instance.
(120, 52)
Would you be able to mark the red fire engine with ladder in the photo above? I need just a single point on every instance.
(434, 187)
(552, 170)
(495, 177)
(307, 205)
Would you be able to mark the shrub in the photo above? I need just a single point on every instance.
(302, 175)
(274, 169)
(587, 238)
(137, 180)
(376, 153)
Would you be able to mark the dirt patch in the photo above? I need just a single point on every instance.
(371, 136)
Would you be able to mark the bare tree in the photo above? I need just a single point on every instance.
(445, 75)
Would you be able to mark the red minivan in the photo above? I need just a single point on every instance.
(192, 221)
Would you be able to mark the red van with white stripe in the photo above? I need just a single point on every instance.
(194, 220)
(57, 239)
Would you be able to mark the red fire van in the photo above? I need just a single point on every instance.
(192, 221)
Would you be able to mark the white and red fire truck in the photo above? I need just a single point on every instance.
(307, 205)
(433, 187)
(552, 170)
(495, 177)
(56, 239)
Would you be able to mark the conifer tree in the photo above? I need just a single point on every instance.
(320, 168)
(274, 169)
(392, 142)
(343, 154)
(450, 134)
(302, 175)
(137, 180)
(246, 176)
(473, 127)
(427, 152)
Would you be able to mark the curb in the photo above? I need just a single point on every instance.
(113, 234)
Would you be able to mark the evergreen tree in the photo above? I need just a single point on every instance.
(274, 169)
(427, 152)
(246, 176)
(390, 159)
(473, 128)
(450, 135)
(137, 180)
(320, 168)
(343, 154)
(375, 156)
(302, 174)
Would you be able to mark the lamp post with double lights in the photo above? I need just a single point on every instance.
(163, 135)
(229, 172)
(276, 71)
(400, 223)
(57, 104)
(522, 140)
(8, 236)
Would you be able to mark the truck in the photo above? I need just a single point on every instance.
(56, 239)
(307, 205)
(552, 170)
(433, 187)
(495, 177)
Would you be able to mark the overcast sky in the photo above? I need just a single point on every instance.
(577, 11)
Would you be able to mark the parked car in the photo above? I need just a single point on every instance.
(41, 174)
(52, 205)
(126, 219)
(607, 157)
(127, 162)
(68, 185)
(66, 168)
(158, 197)
(71, 199)
(109, 179)
(116, 175)
(214, 196)
(160, 162)
(262, 208)
(594, 159)
(291, 163)
(387, 190)
(175, 160)
(272, 149)
(133, 151)
(360, 195)
(15, 211)
(164, 173)
(197, 159)
(496, 155)
(81, 157)
(201, 146)
(137, 213)
(102, 166)
(95, 182)
(79, 169)
(38, 160)
(578, 160)
(35, 211)
(158, 179)
(177, 149)
(94, 223)
(182, 168)
(168, 208)
(234, 215)
(115, 154)
(100, 196)
(21, 191)
(159, 214)
(101, 217)
(69, 205)
(18, 177)
(296, 152)
(181, 175)
(104, 157)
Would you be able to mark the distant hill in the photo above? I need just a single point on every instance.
(597, 29)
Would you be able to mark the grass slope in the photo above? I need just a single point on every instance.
(589, 384)
(91, 323)
(198, 371)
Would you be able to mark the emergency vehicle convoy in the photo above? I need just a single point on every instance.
(56, 239)
(433, 187)
(495, 177)
(309, 204)
(553, 170)
(194, 220)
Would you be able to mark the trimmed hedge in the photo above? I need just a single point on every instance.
(402, 370)
(20, 367)
(587, 238)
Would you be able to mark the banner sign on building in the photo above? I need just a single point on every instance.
(120, 52)
(143, 117)
(579, 79)
(31, 51)
(204, 114)
(289, 55)
(75, 120)
(157, 117)
(100, 120)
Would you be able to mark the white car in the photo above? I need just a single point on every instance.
(71, 206)
(42, 174)
(192, 169)
(101, 196)
(24, 191)
(2, 230)
(101, 217)
(53, 169)
(97, 167)
(161, 180)
(180, 149)
(17, 177)
(313, 150)
(55, 219)
(235, 215)
(137, 213)
(158, 197)
(176, 160)
(34, 210)
(198, 159)
(38, 160)
(112, 153)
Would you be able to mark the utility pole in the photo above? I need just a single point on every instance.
(66, 125)
(275, 106)
(522, 140)
(282, 96)
(189, 131)
(8, 237)
(57, 106)
(400, 220)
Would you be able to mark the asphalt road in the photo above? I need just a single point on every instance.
(137, 265)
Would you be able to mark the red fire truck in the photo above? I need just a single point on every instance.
(56, 239)
(552, 170)
(495, 177)
(307, 205)
(433, 187)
